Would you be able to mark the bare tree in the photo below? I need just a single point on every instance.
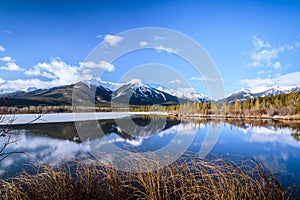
(6, 128)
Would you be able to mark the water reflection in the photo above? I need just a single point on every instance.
(68, 131)
(274, 143)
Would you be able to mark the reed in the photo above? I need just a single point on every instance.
(187, 178)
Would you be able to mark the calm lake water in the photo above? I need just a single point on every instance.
(275, 144)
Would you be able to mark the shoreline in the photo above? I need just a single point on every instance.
(239, 117)
(256, 117)
(17, 119)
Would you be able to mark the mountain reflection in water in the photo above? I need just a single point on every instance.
(274, 143)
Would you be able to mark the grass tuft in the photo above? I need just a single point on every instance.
(187, 178)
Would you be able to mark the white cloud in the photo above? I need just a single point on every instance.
(143, 43)
(291, 79)
(1, 81)
(290, 47)
(204, 78)
(186, 90)
(261, 72)
(2, 48)
(166, 49)
(277, 65)
(33, 72)
(175, 81)
(57, 70)
(260, 43)
(11, 66)
(297, 44)
(102, 65)
(264, 57)
(287, 47)
(19, 84)
(112, 40)
(99, 36)
(157, 37)
(194, 78)
(6, 59)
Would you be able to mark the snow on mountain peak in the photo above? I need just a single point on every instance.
(105, 84)
(262, 91)
(244, 90)
(185, 93)
(109, 85)
(275, 90)
(135, 81)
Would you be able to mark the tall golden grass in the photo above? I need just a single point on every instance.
(188, 178)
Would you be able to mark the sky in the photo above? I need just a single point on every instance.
(253, 44)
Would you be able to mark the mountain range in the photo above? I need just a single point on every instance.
(244, 94)
(134, 92)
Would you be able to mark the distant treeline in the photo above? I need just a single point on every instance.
(283, 104)
(51, 109)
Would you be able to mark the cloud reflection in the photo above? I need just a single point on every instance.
(271, 134)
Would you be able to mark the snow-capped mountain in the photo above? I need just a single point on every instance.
(295, 89)
(137, 93)
(244, 94)
(185, 93)
(276, 90)
(110, 86)
(241, 95)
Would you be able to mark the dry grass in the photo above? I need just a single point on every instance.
(189, 178)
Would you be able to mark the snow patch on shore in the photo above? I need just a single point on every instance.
(68, 117)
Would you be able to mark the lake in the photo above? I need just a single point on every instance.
(275, 144)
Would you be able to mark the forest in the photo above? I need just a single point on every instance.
(269, 106)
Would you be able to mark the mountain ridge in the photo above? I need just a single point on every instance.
(244, 93)
(133, 92)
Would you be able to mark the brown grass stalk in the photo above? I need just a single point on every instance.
(188, 178)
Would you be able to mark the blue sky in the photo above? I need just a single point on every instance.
(254, 44)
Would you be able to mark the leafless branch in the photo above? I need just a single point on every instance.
(8, 127)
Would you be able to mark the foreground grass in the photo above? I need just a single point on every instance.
(189, 178)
